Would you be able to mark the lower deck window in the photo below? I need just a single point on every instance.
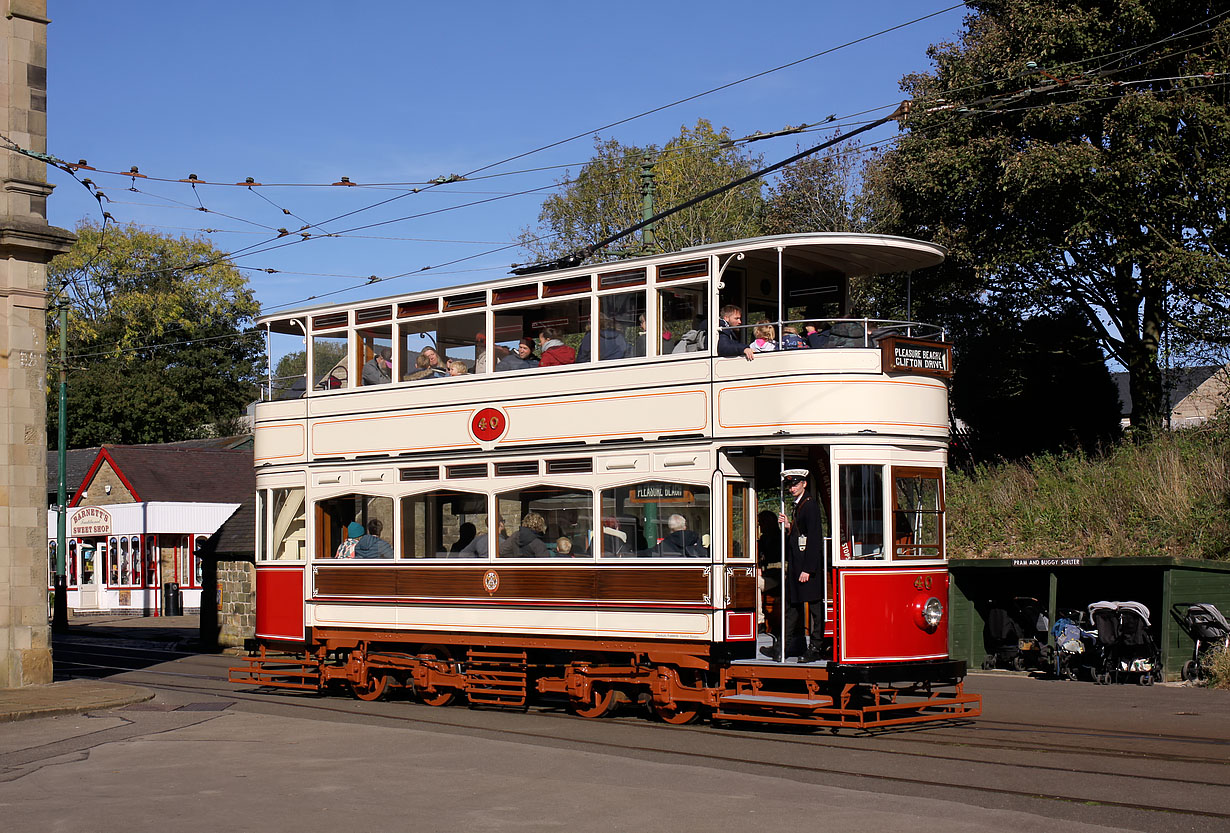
(375, 516)
(862, 511)
(918, 513)
(655, 519)
(444, 524)
(544, 522)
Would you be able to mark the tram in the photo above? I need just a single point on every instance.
(573, 515)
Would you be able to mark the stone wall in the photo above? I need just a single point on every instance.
(237, 618)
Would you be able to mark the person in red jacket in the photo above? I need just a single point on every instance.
(552, 350)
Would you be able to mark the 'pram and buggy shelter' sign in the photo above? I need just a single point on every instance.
(913, 356)
(1047, 562)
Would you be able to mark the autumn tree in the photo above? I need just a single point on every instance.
(1077, 153)
(604, 197)
(158, 337)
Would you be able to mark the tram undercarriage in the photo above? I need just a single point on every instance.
(678, 682)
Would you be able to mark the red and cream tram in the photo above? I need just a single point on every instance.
(583, 531)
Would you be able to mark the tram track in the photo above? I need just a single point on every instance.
(199, 684)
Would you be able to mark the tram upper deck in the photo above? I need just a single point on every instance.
(639, 341)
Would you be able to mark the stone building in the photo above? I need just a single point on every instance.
(27, 243)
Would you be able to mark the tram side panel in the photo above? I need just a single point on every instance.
(892, 614)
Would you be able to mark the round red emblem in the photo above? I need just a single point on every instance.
(488, 424)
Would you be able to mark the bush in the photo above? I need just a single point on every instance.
(1217, 665)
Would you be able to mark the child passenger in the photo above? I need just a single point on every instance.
(765, 338)
(563, 546)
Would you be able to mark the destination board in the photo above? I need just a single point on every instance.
(915, 356)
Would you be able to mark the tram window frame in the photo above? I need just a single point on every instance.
(329, 523)
(569, 314)
(556, 520)
(333, 376)
(912, 549)
(452, 336)
(670, 340)
(368, 341)
(870, 525)
(636, 530)
(295, 520)
(436, 499)
(739, 492)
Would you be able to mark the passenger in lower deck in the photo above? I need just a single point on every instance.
(529, 540)
(372, 545)
(680, 541)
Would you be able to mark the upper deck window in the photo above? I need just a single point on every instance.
(426, 346)
(683, 319)
(330, 360)
(556, 328)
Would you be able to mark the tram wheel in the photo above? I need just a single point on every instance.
(601, 703)
(678, 714)
(440, 696)
(374, 688)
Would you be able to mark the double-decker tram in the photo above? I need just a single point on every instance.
(554, 489)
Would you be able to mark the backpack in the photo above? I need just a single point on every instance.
(693, 341)
(346, 550)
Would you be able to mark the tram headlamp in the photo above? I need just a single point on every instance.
(933, 612)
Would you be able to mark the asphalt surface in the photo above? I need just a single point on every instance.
(204, 754)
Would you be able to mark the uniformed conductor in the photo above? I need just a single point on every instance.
(805, 568)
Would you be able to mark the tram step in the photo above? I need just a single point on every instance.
(496, 678)
(776, 700)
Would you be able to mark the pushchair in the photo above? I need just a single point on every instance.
(1016, 635)
(1124, 649)
(1073, 644)
(1208, 628)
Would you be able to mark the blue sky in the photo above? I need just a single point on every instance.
(395, 92)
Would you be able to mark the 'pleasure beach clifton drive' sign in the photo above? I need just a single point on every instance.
(914, 356)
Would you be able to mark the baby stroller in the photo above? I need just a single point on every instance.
(1016, 634)
(1072, 645)
(1124, 648)
(1207, 627)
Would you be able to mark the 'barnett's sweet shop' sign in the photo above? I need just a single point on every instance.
(90, 520)
(912, 356)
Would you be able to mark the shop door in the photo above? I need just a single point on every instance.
(92, 561)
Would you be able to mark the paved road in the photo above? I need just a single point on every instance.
(208, 755)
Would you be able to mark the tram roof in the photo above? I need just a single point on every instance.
(846, 253)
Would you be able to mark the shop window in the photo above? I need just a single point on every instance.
(425, 347)
(374, 514)
(112, 563)
(655, 519)
(51, 563)
(683, 319)
(287, 539)
(861, 497)
(544, 522)
(151, 561)
(89, 563)
(444, 524)
(330, 361)
(918, 513)
(72, 565)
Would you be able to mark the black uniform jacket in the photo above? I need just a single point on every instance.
(808, 526)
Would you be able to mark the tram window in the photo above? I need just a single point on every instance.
(374, 349)
(738, 534)
(374, 514)
(460, 337)
(621, 333)
(288, 537)
(862, 511)
(330, 361)
(683, 319)
(918, 513)
(287, 341)
(534, 520)
(444, 524)
(568, 319)
(656, 519)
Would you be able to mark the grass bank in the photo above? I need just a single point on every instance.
(1168, 496)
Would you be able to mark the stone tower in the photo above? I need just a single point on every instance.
(27, 243)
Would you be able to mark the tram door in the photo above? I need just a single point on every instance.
(92, 562)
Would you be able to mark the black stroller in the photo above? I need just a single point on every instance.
(1016, 635)
(1207, 627)
(1124, 649)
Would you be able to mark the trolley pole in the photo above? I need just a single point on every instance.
(59, 616)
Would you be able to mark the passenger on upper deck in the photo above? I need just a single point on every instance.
(766, 338)
(611, 342)
(815, 336)
(554, 351)
(730, 343)
(372, 545)
(680, 541)
(378, 370)
(848, 334)
(427, 365)
(456, 367)
(480, 353)
(529, 539)
(520, 358)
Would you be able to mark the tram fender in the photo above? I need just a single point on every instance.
(678, 660)
(938, 671)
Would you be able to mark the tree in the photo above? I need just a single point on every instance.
(158, 349)
(824, 192)
(1074, 153)
(605, 198)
